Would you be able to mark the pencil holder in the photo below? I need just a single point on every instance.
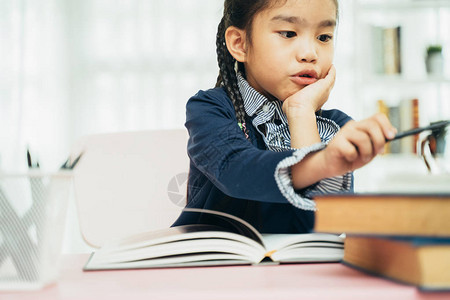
(32, 221)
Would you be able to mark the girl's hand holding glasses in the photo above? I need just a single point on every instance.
(357, 143)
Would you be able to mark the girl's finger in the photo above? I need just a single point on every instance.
(389, 131)
(328, 81)
(375, 133)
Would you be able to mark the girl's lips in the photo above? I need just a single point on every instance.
(305, 77)
(303, 80)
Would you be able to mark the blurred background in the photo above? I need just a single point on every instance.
(73, 68)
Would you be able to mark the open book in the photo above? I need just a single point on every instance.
(234, 242)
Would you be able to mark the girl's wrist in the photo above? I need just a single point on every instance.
(313, 165)
(303, 129)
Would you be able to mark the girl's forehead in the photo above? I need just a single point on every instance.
(302, 8)
(277, 4)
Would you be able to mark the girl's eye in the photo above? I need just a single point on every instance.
(288, 34)
(324, 38)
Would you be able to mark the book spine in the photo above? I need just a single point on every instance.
(383, 108)
(392, 55)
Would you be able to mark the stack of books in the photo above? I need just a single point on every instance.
(402, 237)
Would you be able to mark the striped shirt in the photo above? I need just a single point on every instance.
(271, 122)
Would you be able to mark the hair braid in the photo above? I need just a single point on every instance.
(227, 74)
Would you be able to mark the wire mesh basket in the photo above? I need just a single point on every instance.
(32, 221)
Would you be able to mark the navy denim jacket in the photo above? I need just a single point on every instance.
(231, 174)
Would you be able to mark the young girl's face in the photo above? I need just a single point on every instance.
(291, 46)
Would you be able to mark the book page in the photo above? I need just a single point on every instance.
(161, 236)
(308, 247)
(281, 241)
(172, 252)
(230, 222)
(202, 259)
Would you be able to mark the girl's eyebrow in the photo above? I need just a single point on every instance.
(297, 20)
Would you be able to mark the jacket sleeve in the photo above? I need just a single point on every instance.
(328, 128)
(219, 149)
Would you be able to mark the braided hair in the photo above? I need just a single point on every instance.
(227, 74)
(238, 13)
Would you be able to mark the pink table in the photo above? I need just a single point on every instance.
(300, 281)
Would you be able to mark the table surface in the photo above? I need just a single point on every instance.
(295, 281)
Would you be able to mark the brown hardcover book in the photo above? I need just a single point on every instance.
(386, 214)
(424, 262)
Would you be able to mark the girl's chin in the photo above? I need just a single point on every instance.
(283, 95)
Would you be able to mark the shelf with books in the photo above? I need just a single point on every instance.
(392, 40)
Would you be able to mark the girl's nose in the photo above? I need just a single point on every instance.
(306, 52)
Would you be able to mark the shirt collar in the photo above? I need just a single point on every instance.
(256, 103)
(253, 100)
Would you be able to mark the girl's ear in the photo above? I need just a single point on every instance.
(236, 43)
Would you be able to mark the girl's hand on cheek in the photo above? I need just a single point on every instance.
(357, 143)
(312, 97)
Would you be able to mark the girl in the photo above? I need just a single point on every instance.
(260, 146)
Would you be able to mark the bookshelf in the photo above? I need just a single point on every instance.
(420, 23)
